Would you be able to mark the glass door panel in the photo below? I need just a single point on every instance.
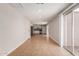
(68, 42)
(76, 33)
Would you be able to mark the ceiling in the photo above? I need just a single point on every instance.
(40, 12)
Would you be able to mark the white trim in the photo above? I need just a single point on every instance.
(16, 47)
(69, 8)
(47, 31)
(61, 30)
(54, 40)
(66, 30)
(73, 31)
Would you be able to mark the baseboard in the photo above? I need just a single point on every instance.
(70, 52)
(3, 53)
(54, 39)
(16, 47)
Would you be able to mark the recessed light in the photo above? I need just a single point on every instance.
(39, 10)
(40, 3)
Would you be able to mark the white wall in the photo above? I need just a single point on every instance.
(54, 29)
(14, 29)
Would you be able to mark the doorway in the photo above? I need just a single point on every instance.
(38, 30)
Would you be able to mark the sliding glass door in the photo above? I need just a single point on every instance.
(71, 32)
(68, 31)
(76, 32)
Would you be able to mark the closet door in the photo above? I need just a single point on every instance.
(68, 26)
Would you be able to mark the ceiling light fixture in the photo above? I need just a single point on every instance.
(39, 10)
(40, 3)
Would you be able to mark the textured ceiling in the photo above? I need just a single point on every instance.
(40, 12)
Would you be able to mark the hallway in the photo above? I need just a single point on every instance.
(39, 46)
(23, 27)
